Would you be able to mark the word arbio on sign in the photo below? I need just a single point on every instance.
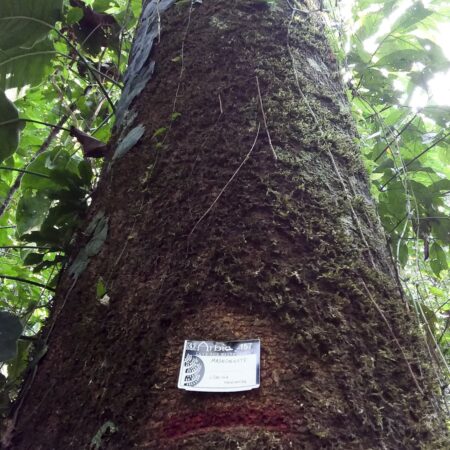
(212, 366)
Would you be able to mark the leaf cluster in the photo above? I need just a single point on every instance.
(61, 66)
(390, 57)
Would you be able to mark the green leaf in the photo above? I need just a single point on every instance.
(10, 133)
(33, 258)
(56, 159)
(441, 185)
(441, 229)
(100, 288)
(402, 60)
(74, 15)
(10, 330)
(18, 365)
(98, 229)
(20, 66)
(85, 171)
(159, 132)
(438, 255)
(386, 164)
(66, 178)
(413, 15)
(24, 22)
(31, 211)
(403, 254)
(129, 141)
(44, 265)
(435, 52)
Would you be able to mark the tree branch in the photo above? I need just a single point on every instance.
(23, 280)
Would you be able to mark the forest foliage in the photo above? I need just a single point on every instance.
(61, 70)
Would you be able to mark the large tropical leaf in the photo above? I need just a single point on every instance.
(9, 132)
(24, 22)
(10, 330)
(20, 66)
(31, 211)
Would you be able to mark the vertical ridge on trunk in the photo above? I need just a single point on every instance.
(282, 253)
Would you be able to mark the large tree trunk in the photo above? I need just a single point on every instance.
(243, 212)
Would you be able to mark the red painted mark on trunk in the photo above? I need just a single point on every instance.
(195, 422)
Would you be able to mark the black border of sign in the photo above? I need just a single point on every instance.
(222, 390)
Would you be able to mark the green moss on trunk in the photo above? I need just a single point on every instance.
(290, 252)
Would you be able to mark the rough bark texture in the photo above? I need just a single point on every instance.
(286, 254)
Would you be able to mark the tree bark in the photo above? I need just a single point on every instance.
(243, 212)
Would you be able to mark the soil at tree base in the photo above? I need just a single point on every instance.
(279, 257)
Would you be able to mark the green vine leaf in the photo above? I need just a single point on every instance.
(24, 22)
(21, 66)
(9, 133)
(10, 330)
(31, 211)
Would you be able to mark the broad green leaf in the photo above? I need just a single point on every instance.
(66, 178)
(20, 66)
(441, 185)
(31, 211)
(9, 133)
(33, 258)
(438, 259)
(136, 7)
(403, 254)
(387, 164)
(18, 365)
(24, 22)
(441, 229)
(370, 23)
(85, 171)
(45, 164)
(402, 60)
(414, 14)
(10, 330)
(435, 53)
(74, 15)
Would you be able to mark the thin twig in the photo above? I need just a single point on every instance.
(25, 246)
(186, 31)
(398, 133)
(414, 160)
(159, 21)
(23, 280)
(13, 169)
(264, 118)
(220, 105)
(228, 182)
(91, 68)
(25, 119)
(122, 32)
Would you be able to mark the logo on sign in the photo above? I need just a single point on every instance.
(194, 369)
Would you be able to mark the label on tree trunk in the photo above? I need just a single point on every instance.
(213, 366)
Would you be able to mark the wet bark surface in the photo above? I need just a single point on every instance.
(209, 238)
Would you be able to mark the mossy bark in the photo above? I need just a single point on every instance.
(211, 239)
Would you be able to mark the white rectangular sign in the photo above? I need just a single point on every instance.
(213, 366)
